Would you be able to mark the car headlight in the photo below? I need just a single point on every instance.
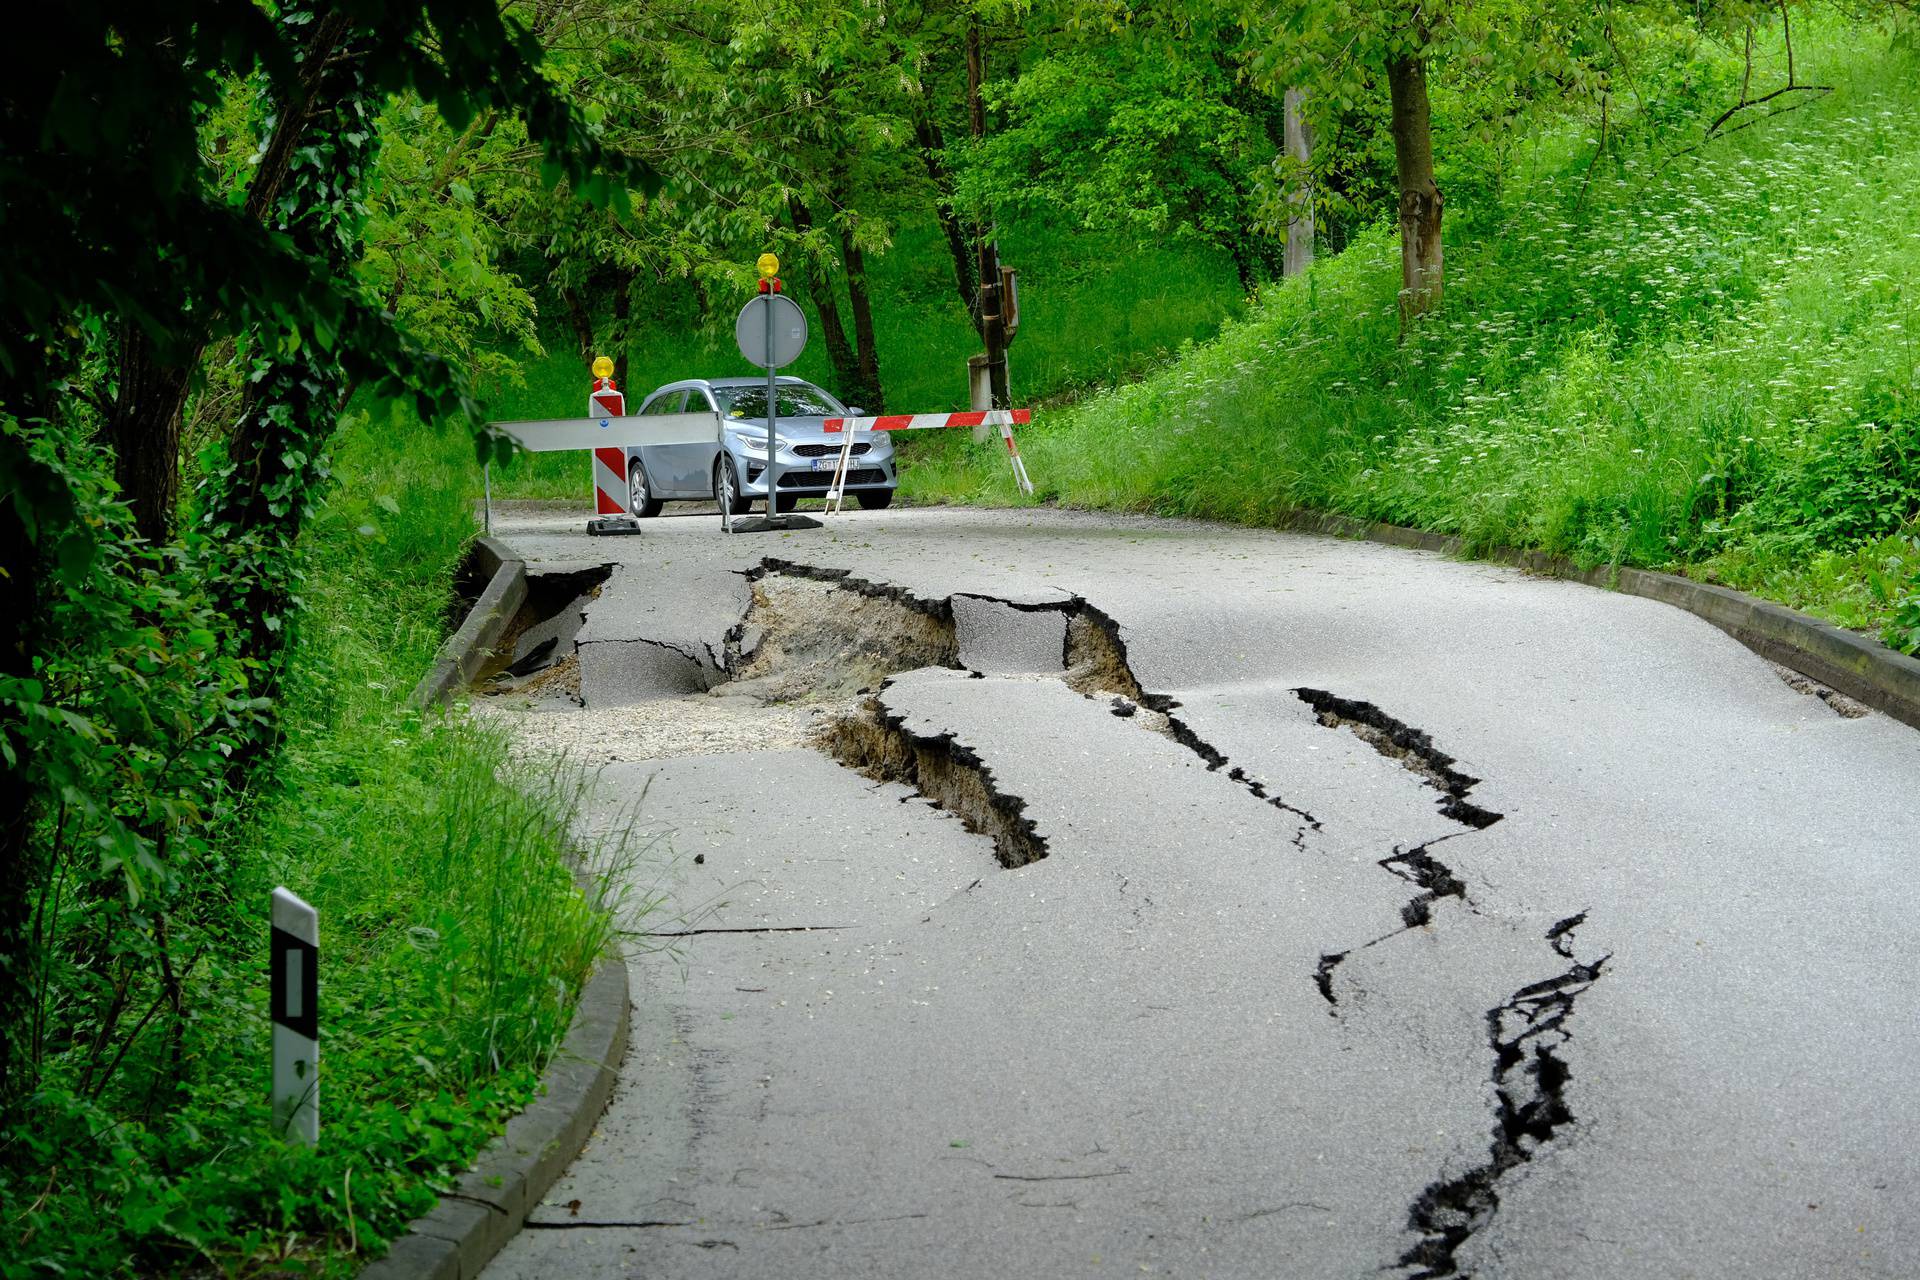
(756, 441)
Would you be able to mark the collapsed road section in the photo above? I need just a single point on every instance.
(831, 642)
(1142, 1029)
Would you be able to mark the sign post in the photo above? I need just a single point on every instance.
(771, 332)
(295, 988)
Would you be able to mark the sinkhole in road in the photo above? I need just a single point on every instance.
(827, 642)
(832, 641)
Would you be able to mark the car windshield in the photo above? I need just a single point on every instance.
(796, 401)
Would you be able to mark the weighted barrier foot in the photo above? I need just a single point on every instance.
(772, 524)
(605, 525)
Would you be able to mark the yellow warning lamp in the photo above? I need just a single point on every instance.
(768, 266)
(602, 367)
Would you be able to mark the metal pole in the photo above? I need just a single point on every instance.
(773, 465)
(487, 474)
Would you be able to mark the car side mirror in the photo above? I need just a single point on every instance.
(855, 411)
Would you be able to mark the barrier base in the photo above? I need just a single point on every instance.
(772, 524)
(613, 524)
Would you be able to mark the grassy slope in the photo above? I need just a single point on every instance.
(1092, 312)
(1711, 364)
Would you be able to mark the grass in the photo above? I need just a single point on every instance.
(1708, 363)
(1094, 311)
(453, 937)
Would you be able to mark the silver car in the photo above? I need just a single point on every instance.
(733, 467)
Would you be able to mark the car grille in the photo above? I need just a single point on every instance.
(823, 450)
(822, 479)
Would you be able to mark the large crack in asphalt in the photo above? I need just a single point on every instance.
(1413, 749)
(1526, 1031)
(834, 642)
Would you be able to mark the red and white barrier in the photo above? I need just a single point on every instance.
(1005, 419)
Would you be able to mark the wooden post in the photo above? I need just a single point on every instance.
(1299, 146)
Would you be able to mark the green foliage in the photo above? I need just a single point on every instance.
(1704, 361)
(1139, 140)
(434, 234)
(453, 940)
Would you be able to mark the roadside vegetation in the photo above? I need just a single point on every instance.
(454, 938)
(1680, 353)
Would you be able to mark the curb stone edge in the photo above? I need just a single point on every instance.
(509, 1178)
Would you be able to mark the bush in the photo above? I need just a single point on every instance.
(454, 938)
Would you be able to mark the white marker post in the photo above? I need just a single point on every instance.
(296, 1019)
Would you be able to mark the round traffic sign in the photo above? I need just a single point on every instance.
(789, 337)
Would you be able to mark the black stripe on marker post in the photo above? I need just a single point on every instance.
(296, 984)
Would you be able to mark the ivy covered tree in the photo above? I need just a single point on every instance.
(125, 257)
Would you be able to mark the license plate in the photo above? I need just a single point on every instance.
(826, 464)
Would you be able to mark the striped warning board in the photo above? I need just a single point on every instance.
(932, 421)
(609, 440)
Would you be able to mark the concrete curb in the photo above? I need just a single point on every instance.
(468, 649)
(474, 1221)
(1863, 669)
(508, 1179)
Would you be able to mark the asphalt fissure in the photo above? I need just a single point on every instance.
(1400, 741)
(878, 743)
(1527, 1033)
(1097, 665)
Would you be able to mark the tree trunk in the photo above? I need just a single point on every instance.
(144, 426)
(965, 278)
(144, 429)
(1299, 147)
(255, 509)
(867, 389)
(820, 287)
(1420, 257)
(622, 335)
(580, 320)
(22, 868)
(993, 320)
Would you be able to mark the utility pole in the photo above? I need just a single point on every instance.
(1298, 136)
(993, 321)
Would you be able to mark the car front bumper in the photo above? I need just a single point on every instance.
(798, 476)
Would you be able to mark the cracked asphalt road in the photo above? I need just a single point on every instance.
(1550, 935)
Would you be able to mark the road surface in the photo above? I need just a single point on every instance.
(1320, 909)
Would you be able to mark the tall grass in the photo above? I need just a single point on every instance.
(1705, 361)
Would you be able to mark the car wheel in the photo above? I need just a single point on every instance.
(640, 499)
(786, 502)
(874, 499)
(726, 488)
